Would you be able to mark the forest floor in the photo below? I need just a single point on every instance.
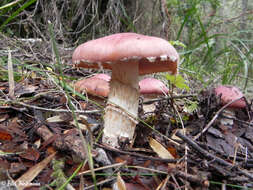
(183, 141)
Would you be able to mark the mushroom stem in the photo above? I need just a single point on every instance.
(122, 106)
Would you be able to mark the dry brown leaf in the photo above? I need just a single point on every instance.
(30, 154)
(56, 118)
(25, 90)
(5, 135)
(175, 137)
(120, 184)
(159, 149)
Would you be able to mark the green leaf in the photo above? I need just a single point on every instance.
(178, 81)
(177, 43)
(191, 106)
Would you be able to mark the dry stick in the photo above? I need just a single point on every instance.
(201, 150)
(175, 181)
(168, 97)
(149, 169)
(10, 75)
(137, 155)
(209, 155)
(55, 110)
(214, 118)
(103, 168)
(238, 158)
(100, 183)
(193, 178)
(186, 148)
(164, 182)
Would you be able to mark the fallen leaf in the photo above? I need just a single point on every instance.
(159, 149)
(56, 118)
(25, 90)
(120, 184)
(5, 135)
(30, 154)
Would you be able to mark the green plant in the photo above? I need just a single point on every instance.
(15, 13)
(212, 50)
(177, 81)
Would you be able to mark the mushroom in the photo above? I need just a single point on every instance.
(128, 55)
(98, 85)
(102, 76)
(93, 85)
(150, 86)
(228, 94)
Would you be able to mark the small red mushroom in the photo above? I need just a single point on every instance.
(102, 76)
(152, 86)
(230, 93)
(93, 85)
(98, 85)
(128, 55)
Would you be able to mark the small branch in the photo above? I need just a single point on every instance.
(193, 178)
(10, 76)
(149, 169)
(168, 98)
(54, 110)
(137, 155)
(211, 156)
(201, 150)
(102, 168)
(100, 183)
(215, 117)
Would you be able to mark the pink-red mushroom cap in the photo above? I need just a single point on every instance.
(229, 93)
(94, 86)
(154, 54)
(102, 76)
(152, 86)
(98, 85)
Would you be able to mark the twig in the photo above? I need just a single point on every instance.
(211, 156)
(149, 169)
(215, 117)
(186, 148)
(201, 150)
(100, 183)
(137, 155)
(103, 168)
(54, 110)
(193, 178)
(168, 98)
(10, 76)
(238, 158)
